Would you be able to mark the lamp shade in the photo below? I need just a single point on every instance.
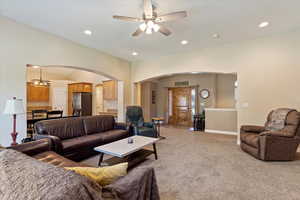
(14, 107)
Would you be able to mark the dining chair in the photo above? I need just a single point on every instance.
(54, 114)
(39, 114)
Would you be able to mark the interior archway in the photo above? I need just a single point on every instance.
(222, 100)
(61, 77)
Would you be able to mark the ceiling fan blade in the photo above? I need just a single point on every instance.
(137, 32)
(164, 30)
(148, 9)
(171, 16)
(128, 19)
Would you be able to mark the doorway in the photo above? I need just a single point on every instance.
(181, 105)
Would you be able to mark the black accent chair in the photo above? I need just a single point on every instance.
(135, 119)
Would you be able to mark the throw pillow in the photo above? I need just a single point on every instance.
(104, 175)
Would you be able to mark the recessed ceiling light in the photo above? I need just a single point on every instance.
(184, 42)
(216, 36)
(88, 32)
(263, 24)
(135, 53)
(35, 66)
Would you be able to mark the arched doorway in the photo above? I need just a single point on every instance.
(221, 100)
(67, 80)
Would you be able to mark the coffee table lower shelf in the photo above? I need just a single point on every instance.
(132, 159)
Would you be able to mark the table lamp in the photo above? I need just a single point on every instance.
(14, 107)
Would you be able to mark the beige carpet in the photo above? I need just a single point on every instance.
(203, 166)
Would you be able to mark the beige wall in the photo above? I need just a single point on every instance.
(267, 68)
(149, 109)
(225, 91)
(22, 45)
(223, 120)
(32, 73)
(220, 86)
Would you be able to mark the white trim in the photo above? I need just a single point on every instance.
(220, 109)
(221, 132)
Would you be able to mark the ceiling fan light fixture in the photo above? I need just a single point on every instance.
(149, 31)
(156, 27)
(149, 19)
(143, 26)
(150, 24)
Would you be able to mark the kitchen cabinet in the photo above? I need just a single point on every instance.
(37, 93)
(110, 90)
(77, 87)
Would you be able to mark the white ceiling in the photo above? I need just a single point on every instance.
(234, 20)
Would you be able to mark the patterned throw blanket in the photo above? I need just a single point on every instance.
(25, 178)
(277, 119)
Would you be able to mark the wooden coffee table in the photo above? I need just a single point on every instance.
(123, 151)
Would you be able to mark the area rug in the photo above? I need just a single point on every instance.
(204, 166)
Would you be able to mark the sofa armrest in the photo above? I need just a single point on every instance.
(33, 148)
(122, 126)
(56, 142)
(276, 133)
(139, 182)
(252, 128)
(277, 148)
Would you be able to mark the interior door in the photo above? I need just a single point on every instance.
(180, 103)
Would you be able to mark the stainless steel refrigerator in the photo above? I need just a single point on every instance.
(82, 103)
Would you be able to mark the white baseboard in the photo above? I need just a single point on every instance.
(220, 132)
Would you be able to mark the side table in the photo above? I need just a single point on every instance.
(158, 121)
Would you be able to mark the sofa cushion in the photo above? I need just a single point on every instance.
(57, 160)
(88, 141)
(23, 177)
(62, 128)
(97, 124)
(113, 135)
(250, 139)
(94, 140)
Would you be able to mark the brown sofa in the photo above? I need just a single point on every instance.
(272, 145)
(138, 184)
(76, 137)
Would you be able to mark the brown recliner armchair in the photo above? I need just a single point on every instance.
(272, 145)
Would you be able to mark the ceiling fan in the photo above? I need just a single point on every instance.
(151, 21)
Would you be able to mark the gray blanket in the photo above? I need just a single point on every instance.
(277, 119)
(139, 184)
(25, 178)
